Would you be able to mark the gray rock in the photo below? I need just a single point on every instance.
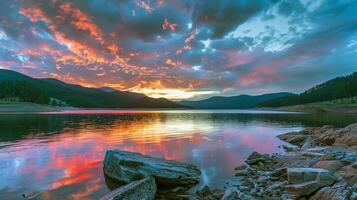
(144, 189)
(312, 154)
(230, 194)
(303, 189)
(348, 173)
(347, 135)
(280, 173)
(241, 167)
(296, 138)
(177, 189)
(305, 181)
(331, 165)
(276, 186)
(290, 148)
(128, 166)
(205, 191)
(354, 165)
(254, 158)
(337, 193)
(354, 196)
(308, 143)
(241, 173)
(301, 175)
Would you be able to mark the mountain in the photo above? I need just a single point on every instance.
(132, 94)
(78, 96)
(233, 102)
(107, 89)
(337, 88)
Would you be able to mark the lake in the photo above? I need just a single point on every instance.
(60, 154)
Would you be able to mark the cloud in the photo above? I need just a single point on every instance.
(192, 48)
(223, 16)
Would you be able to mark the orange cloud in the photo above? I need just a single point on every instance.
(82, 21)
(34, 14)
(189, 39)
(258, 75)
(160, 2)
(83, 54)
(169, 25)
(31, 52)
(145, 6)
(172, 63)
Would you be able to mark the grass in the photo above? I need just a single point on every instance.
(345, 102)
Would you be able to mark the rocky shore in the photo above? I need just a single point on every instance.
(322, 165)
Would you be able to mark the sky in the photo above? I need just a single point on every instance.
(181, 49)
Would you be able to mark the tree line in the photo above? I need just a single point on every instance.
(22, 91)
(341, 87)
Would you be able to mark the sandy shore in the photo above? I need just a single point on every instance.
(315, 108)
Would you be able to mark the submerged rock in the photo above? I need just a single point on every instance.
(144, 189)
(126, 166)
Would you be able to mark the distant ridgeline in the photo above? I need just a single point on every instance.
(15, 86)
(341, 87)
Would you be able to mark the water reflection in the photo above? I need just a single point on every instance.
(61, 155)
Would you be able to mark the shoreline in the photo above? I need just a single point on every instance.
(322, 165)
(316, 108)
(25, 107)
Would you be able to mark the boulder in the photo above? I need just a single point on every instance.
(347, 135)
(348, 173)
(332, 193)
(280, 173)
(144, 189)
(305, 181)
(296, 138)
(241, 167)
(255, 156)
(301, 175)
(303, 189)
(331, 165)
(126, 167)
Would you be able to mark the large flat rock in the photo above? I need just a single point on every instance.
(143, 189)
(126, 166)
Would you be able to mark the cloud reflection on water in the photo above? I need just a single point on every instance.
(68, 163)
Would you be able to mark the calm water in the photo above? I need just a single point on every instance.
(60, 154)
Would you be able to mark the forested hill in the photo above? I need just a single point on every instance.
(337, 88)
(233, 102)
(16, 86)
